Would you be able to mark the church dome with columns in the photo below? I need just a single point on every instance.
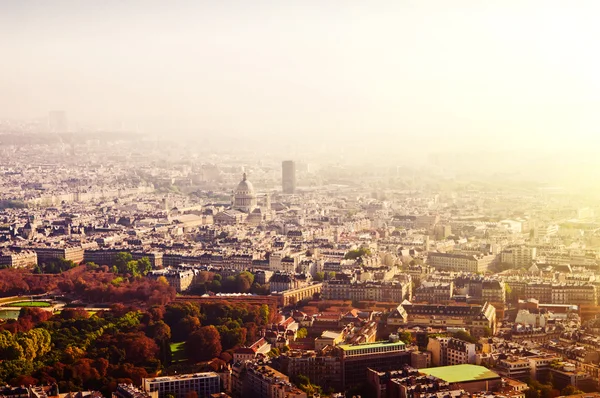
(244, 198)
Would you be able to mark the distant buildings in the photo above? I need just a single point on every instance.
(288, 176)
(57, 122)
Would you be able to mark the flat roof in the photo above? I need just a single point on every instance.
(352, 347)
(460, 373)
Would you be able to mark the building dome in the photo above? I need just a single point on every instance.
(244, 186)
(244, 198)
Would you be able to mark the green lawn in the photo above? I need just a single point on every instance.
(178, 352)
(29, 304)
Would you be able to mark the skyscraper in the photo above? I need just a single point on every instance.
(288, 176)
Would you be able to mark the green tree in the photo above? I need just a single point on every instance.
(265, 313)
(302, 333)
(319, 277)
(144, 265)
(244, 281)
(465, 336)
(121, 261)
(132, 268)
(357, 253)
(571, 390)
(405, 337)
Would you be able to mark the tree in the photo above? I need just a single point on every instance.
(204, 344)
(465, 336)
(144, 266)
(319, 277)
(174, 312)
(265, 313)
(302, 333)
(185, 327)
(244, 281)
(162, 280)
(123, 258)
(405, 337)
(571, 390)
(160, 331)
(416, 261)
(355, 254)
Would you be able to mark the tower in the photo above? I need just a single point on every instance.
(288, 176)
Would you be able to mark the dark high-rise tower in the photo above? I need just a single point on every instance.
(288, 176)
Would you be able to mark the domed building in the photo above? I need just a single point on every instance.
(244, 197)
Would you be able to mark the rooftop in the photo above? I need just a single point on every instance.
(352, 347)
(460, 373)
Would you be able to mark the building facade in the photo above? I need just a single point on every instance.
(204, 384)
(288, 176)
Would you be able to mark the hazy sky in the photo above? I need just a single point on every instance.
(486, 73)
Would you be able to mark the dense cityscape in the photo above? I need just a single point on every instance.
(128, 270)
(299, 199)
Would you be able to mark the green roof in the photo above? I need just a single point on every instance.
(352, 347)
(460, 373)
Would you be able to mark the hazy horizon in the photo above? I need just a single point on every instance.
(449, 75)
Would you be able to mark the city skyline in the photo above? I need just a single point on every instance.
(452, 76)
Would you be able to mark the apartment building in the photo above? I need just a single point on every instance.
(356, 359)
(521, 256)
(129, 391)
(26, 258)
(522, 368)
(180, 279)
(322, 367)
(493, 291)
(575, 293)
(390, 291)
(434, 292)
(450, 351)
(460, 352)
(48, 254)
(264, 381)
(478, 319)
(460, 262)
(404, 382)
(204, 384)
(282, 281)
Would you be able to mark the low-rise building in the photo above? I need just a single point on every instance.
(180, 279)
(460, 262)
(23, 259)
(478, 319)
(390, 291)
(204, 384)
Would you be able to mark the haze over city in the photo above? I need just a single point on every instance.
(447, 75)
(299, 199)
